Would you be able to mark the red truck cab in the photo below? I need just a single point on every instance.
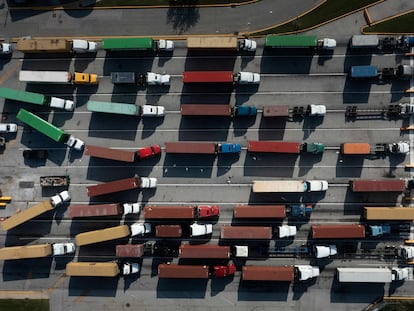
(149, 151)
(205, 211)
(223, 271)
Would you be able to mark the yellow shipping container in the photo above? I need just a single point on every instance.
(108, 269)
(25, 215)
(102, 235)
(389, 213)
(28, 251)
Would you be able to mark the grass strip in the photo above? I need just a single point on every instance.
(24, 304)
(166, 3)
(399, 24)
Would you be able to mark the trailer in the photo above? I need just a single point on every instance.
(110, 153)
(285, 147)
(204, 251)
(389, 213)
(98, 210)
(279, 273)
(57, 77)
(101, 269)
(289, 186)
(168, 231)
(55, 45)
(371, 275)
(364, 41)
(220, 77)
(355, 148)
(54, 181)
(206, 110)
(36, 251)
(246, 232)
(181, 211)
(298, 41)
(220, 43)
(201, 148)
(121, 185)
(385, 185)
(137, 43)
(36, 99)
(126, 109)
(194, 272)
(259, 211)
(130, 250)
(338, 231)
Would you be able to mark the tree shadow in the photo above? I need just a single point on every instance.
(182, 17)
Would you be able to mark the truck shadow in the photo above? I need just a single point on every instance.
(204, 129)
(280, 61)
(190, 166)
(356, 292)
(25, 269)
(182, 288)
(349, 166)
(224, 163)
(272, 128)
(82, 287)
(103, 125)
(307, 161)
(269, 165)
(263, 291)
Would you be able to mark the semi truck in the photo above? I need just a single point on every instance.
(403, 72)
(299, 41)
(402, 110)
(243, 77)
(272, 211)
(34, 211)
(289, 186)
(122, 155)
(279, 273)
(101, 269)
(55, 45)
(121, 185)
(278, 111)
(126, 109)
(202, 147)
(49, 130)
(36, 251)
(149, 78)
(348, 231)
(136, 43)
(220, 43)
(181, 212)
(217, 110)
(246, 233)
(285, 147)
(112, 233)
(170, 270)
(191, 251)
(385, 185)
(59, 77)
(54, 181)
(97, 210)
(37, 99)
(197, 229)
(405, 42)
(389, 213)
(401, 147)
(406, 251)
(5, 48)
(372, 275)
(168, 231)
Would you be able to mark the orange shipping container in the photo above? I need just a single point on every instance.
(356, 148)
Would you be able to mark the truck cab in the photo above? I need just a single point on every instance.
(63, 248)
(131, 208)
(223, 271)
(407, 251)
(148, 151)
(326, 43)
(406, 109)
(316, 185)
(399, 274)
(228, 148)
(75, 143)
(127, 77)
(245, 111)
(287, 231)
(148, 182)
(129, 268)
(84, 46)
(61, 103)
(245, 77)
(401, 147)
(306, 272)
(157, 79)
(165, 45)
(200, 229)
(324, 251)
(140, 229)
(379, 230)
(60, 198)
(152, 111)
(316, 110)
(5, 48)
(405, 72)
(300, 210)
(314, 148)
(204, 211)
(247, 45)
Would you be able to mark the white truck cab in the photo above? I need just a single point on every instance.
(165, 45)
(152, 111)
(306, 272)
(245, 77)
(61, 103)
(140, 228)
(84, 46)
(247, 45)
(201, 229)
(130, 268)
(316, 110)
(326, 43)
(402, 147)
(131, 208)
(8, 128)
(158, 79)
(399, 274)
(317, 185)
(241, 251)
(406, 251)
(60, 198)
(75, 143)
(6, 48)
(323, 251)
(286, 231)
(148, 182)
(63, 248)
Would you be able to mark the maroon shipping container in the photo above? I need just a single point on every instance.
(190, 147)
(246, 232)
(113, 186)
(169, 212)
(208, 76)
(274, 146)
(130, 250)
(260, 211)
(183, 271)
(265, 273)
(168, 231)
(109, 153)
(204, 251)
(377, 185)
(276, 111)
(205, 110)
(96, 210)
(338, 231)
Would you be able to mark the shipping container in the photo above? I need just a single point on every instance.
(128, 44)
(205, 110)
(338, 231)
(190, 147)
(95, 210)
(274, 146)
(364, 275)
(364, 41)
(170, 212)
(246, 232)
(389, 213)
(355, 148)
(260, 211)
(290, 41)
(114, 108)
(229, 43)
(26, 45)
(102, 235)
(268, 273)
(105, 269)
(204, 251)
(26, 215)
(27, 251)
(114, 186)
(130, 250)
(276, 111)
(168, 231)
(385, 185)
(110, 153)
(208, 77)
(183, 271)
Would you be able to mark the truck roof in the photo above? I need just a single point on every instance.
(17, 95)
(278, 186)
(213, 42)
(390, 185)
(190, 147)
(130, 250)
(204, 251)
(169, 212)
(168, 231)
(260, 211)
(127, 43)
(94, 210)
(26, 215)
(208, 77)
(26, 251)
(246, 232)
(45, 76)
(274, 146)
(115, 108)
(110, 153)
(276, 111)
(363, 275)
(26, 45)
(389, 213)
(107, 269)
(183, 271)
(356, 148)
(290, 41)
(364, 41)
(113, 186)
(268, 273)
(205, 110)
(102, 235)
(338, 231)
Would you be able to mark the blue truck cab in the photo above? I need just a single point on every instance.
(379, 230)
(300, 210)
(245, 111)
(228, 148)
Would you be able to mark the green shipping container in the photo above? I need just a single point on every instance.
(290, 41)
(116, 108)
(27, 97)
(128, 44)
(42, 126)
